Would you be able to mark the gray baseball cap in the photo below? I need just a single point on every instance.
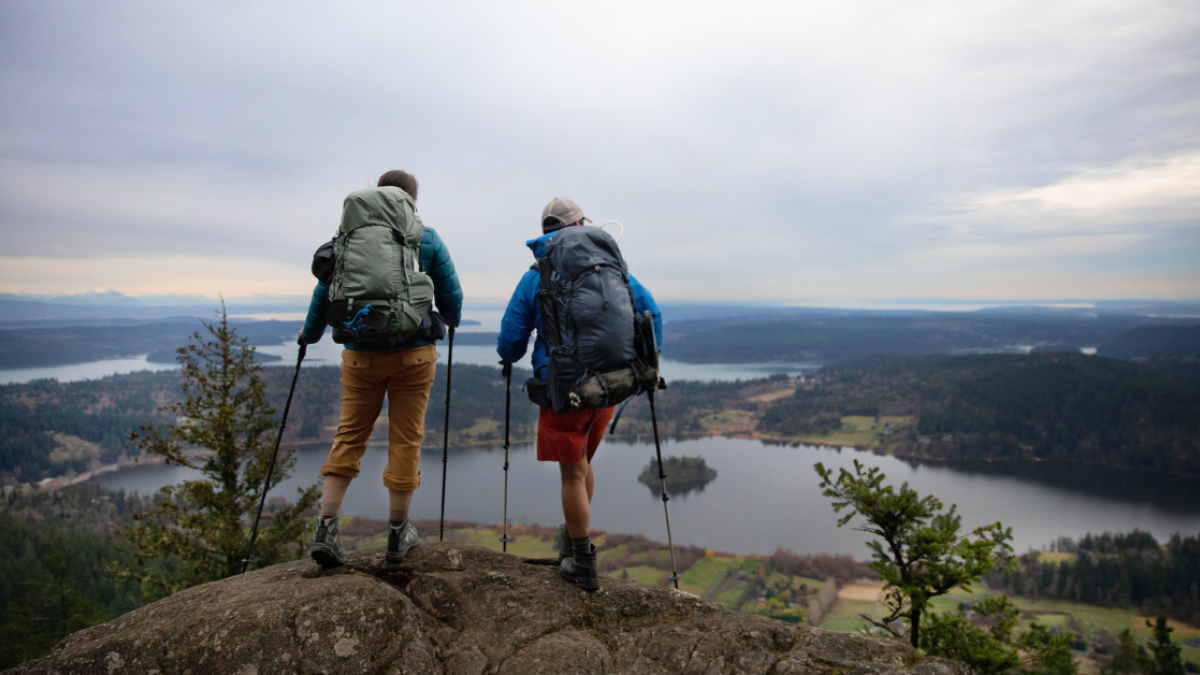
(559, 213)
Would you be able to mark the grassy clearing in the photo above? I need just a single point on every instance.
(704, 573)
(855, 430)
(859, 430)
(844, 615)
(523, 546)
(752, 565)
(729, 598)
(483, 427)
(1055, 557)
(651, 576)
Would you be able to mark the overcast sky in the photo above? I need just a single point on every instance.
(807, 152)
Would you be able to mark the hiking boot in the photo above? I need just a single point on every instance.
(326, 550)
(581, 570)
(402, 538)
(562, 541)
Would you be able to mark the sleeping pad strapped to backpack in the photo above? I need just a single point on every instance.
(377, 294)
(600, 350)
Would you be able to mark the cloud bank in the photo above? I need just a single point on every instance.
(764, 152)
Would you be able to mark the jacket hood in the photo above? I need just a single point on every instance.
(538, 246)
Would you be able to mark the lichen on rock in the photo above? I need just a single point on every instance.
(457, 610)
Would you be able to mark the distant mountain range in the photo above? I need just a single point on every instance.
(117, 299)
(26, 310)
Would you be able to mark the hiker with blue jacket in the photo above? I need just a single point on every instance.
(389, 347)
(598, 332)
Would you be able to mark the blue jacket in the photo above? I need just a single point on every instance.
(447, 295)
(524, 314)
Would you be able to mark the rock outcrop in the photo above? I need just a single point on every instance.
(457, 610)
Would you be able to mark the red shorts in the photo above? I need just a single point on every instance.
(570, 437)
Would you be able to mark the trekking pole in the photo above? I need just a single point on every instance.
(446, 436)
(507, 410)
(662, 479)
(271, 469)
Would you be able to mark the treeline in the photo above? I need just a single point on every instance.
(1116, 570)
(831, 338)
(1060, 407)
(683, 405)
(478, 395)
(53, 568)
(820, 566)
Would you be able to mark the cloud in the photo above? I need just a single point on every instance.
(1135, 195)
(754, 151)
(209, 276)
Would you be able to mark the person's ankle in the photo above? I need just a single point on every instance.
(582, 548)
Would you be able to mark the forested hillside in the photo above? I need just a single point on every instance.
(1114, 570)
(53, 568)
(49, 429)
(1059, 407)
(836, 337)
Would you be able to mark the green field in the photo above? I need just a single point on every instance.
(705, 573)
(1077, 618)
(523, 546)
(651, 576)
(844, 615)
(858, 430)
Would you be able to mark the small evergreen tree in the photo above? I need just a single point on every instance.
(1048, 654)
(205, 523)
(1129, 657)
(987, 651)
(922, 553)
(1167, 659)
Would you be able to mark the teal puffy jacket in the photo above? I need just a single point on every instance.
(447, 295)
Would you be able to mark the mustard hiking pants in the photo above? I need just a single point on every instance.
(405, 375)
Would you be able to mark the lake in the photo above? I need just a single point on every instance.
(764, 495)
(75, 372)
(327, 352)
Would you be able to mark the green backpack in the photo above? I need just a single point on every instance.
(378, 294)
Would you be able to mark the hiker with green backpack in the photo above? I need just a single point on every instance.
(378, 283)
(598, 337)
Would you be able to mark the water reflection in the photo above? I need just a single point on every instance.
(1168, 493)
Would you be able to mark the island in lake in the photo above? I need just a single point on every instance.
(684, 474)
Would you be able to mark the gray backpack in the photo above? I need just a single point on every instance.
(378, 294)
(601, 351)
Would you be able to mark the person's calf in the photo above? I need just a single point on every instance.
(575, 502)
(399, 502)
(333, 491)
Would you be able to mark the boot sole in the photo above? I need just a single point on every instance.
(326, 557)
(588, 584)
(399, 556)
